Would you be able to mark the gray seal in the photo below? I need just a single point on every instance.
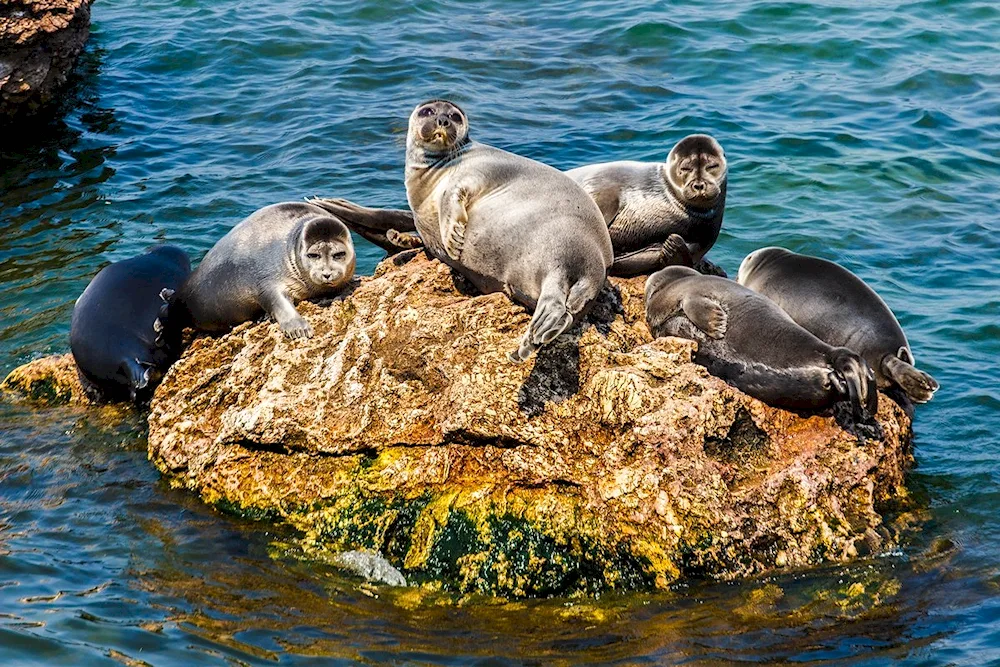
(505, 222)
(121, 335)
(659, 214)
(839, 308)
(276, 257)
(751, 343)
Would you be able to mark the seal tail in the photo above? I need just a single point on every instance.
(551, 318)
(918, 385)
(858, 382)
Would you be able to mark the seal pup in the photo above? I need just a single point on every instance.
(120, 335)
(752, 344)
(273, 259)
(839, 308)
(660, 214)
(505, 222)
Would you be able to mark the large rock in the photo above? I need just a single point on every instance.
(39, 44)
(609, 461)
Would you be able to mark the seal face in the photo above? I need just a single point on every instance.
(276, 257)
(752, 344)
(840, 309)
(507, 223)
(661, 214)
(121, 337)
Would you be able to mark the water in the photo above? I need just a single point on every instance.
(866, 135)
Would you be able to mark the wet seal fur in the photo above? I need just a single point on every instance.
(751, 343)
(122, 336)
(661, 214)
(841, 309)
(278, 256)
(505, 222)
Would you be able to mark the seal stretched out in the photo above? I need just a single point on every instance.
(278, 256)
(505, 222)
(752, 344)
(839, 308)
(661, 214)
(121, 337)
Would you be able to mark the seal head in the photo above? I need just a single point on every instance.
(696, 168)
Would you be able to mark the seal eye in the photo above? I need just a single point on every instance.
(712, 167)
(340, 256)
(455, 117)
(312, 255)
(426, 111)
(686, 169)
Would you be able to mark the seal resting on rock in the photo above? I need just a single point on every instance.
(661, 214)
(278, 256)
(751, 343)
(505, 222)
(839, 308)
(121, 336)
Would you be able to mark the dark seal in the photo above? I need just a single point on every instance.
(840, 309)
(122, 336)
(751, 343)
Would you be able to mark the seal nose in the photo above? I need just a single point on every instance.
(698, 186)
(442, 121)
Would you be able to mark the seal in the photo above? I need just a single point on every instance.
(840, 309)
(751, 343)
(661, 214)
(273, 259)
(121, 336)
(505, 222)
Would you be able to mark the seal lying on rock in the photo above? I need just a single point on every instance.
(120, 335)
(751, 343)
(278, 256)
(839, 308)
(661, 214)
(505, 222)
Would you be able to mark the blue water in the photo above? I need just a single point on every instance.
(866, 135)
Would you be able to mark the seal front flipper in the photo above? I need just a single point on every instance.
(280, 308)
(918, 385)
(856, 380)
(454, 217)
(675, 252)
(706, 314)
(551, 318)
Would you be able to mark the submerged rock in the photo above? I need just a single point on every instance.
(48, 380)
(370, 566)
(608, 461)
(39, 44)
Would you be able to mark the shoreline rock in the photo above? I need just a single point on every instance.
(608, 462)
(40, 41)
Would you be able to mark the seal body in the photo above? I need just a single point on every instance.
(659, 214)
(840, 309)
(749, 342)
(278, 256)
(120, 334)
(505, 222)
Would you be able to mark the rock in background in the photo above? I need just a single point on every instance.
(39, 44)
(609, 461)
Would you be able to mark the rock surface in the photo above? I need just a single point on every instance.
(47, 380)
(39, 44)
(609, 461)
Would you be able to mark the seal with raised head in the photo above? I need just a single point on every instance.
(749, 342)
(840, 309)
(660, 214)
(505, 222)
(276, 257)
(121, 336)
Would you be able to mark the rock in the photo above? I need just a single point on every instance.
(39, 44)
(370, 566)
(609, 461)
(48, 380)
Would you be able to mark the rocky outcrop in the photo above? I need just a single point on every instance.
(608, 461)
(46, 380)
(39, 44)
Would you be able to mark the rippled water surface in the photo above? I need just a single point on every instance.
(866, 135)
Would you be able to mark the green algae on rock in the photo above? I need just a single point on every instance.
(51, 380)
(608, 462)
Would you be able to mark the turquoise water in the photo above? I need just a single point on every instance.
(866, 135)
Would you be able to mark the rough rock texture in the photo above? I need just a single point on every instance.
(48, 380)
(39, 43)
(609, 461)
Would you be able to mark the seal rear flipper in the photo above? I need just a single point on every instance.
(855, 379)
(361, 217)
(551, 318)
(918, 385)
(706, 314)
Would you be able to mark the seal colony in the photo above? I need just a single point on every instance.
(794, 331)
